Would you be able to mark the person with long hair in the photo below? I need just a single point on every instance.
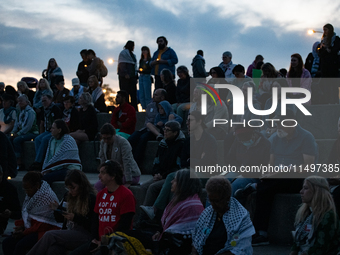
(52, 71)
(78, 217)
(334, 183)
(329, 64)
(298, 77)
(37, 216)
(269, 74)
(317, 227)
(181, 214)
(179, 217)
(62, 153)
(145, 77)
(43, 88)
(23, 89)
(114, 207)
(127, 72)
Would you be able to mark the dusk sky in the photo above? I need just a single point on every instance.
(32, 32)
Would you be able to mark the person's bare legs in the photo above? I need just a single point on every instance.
(80, 136)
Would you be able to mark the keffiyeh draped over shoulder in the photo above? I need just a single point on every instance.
(67, 154)
(182, 218)
(38, 206)
(237, 223)
(125, 57)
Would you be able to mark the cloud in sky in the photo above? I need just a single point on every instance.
(71, 21)
(292, 15)
(31, 32)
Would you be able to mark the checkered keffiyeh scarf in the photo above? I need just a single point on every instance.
(66, 155)
(237, 224)
(38, 206)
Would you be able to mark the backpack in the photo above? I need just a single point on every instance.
(102, 70)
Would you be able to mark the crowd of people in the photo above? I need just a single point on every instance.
(173, 218)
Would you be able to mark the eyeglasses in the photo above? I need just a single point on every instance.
(167, 130)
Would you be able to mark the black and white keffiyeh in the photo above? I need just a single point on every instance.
(67, 154)
(38, 207)
(237, 224)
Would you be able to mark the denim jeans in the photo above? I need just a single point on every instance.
(17, 142)
(41, 144)
(144, 90)
(182, 110)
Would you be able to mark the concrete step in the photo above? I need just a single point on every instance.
(323, 123)
(88, 152)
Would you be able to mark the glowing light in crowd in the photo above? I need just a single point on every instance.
(110, 61)
(311, 31)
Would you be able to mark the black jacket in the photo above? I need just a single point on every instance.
(168, 156)
(8, 200)
(183, 90)
(8, 160)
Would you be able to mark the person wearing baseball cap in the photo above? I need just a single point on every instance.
(76, 90)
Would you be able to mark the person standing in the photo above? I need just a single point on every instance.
(258, 58)
(145, 77)
(227, 66)
(198, 65)
(82, 72)
(164, 57)
(52, 71)
(298, 76)
(127, 72)
(329, 64)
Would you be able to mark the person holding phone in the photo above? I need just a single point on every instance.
(78, 218)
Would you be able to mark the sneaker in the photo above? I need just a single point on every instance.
(259, 240)
(245, 192)
(149, 211)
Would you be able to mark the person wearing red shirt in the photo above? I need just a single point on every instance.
(115, 205)
(124, 116)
